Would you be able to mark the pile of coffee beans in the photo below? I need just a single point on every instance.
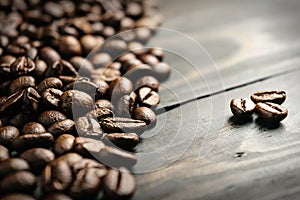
(267, 104)
(74, 96)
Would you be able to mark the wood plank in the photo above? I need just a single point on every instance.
(247, 40)
(209, 168)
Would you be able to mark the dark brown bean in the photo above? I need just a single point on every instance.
(8, 134)
(69, 46)
(103, 103)
(123, 140)
(274, 96)
(49, 55)
(61, 127)
(125, 106)
(145, 114)
(105, 74)
(242, 108)
(119, 87)
(20, 83)
(12, 104)
(271, 112)
(91, 42)
(13, 165)
(99, 113)
(101, 60)
(119, 125)
(51, 82)
(17, 196)
(52, 98)
(147, 97)
(161, 71)
(33, 128)
(63, 144)
(147, 81)
(88, 127)
(50, 117)
(61, 67)
(22, 66)
(82, 65)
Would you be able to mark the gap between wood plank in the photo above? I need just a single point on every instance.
(171, 107)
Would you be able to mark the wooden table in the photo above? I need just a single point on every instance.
(204, 153)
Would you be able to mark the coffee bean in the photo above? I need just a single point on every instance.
(12, 165)
(145, 114)
(115, 47)
(20, 83)
(123, 140)
(49, 55)
(22, 66)
(158, 53)
(108, 31)
(61, 67)
(8, 134)
(21, 181)
(37, 158)
(29, 141)
(119, 184)
(40, 68)
(105, 74)
(12, 104)
(99, 113)
(86, 146)
(84, 85)
(274, 96)
(161, 71)
(242, 108)
(77, 101)
(33, 128)
(102, 89)
(147, 81)
(57, 196)
(125, 105)
(135, 72)
(70, 158)
(82, 65)
(50, 117)
(88, 127)
(67, 79)
(31, 100)
(51, 98)
(61, 127)
(101, 60)
(119, 87)
(271, 112)
(89, 163)
(16, 196)
(4, 153)
(147, 97)
(50, 82)
(134, 10)
(149, 59)
(115, 65)
(103, 103)
(91, 42)
(63, 144)
(69, 46)
(119, 125)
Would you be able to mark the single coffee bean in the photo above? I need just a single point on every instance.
(147, 97)
(105, 74)
(56, 196)
(12, 104)
(70, 158)
(22, 66)
(115, 47)
(31, 100)
(50, 82)
(61, 67)
(13, 165)
(134, 10)
(17, 196)
(242, 108)
(147, 81)
(103, 103)
(63, 144)
(161, 71)
(149, 59)
(119, 87)
(21, 181)
(8, 134)
(33, 128)
(84, 85)
(99, 113)
(20, 119)
(119, 184)
(145, 114)
(102, 89)
(91, 42)
(142, 35)
(77, 101)
(107, 31)
(49, 55)
(50, 117)
(29, 141)
(69, 46)
(61, 127)
(101, 60)
(67, 79)
(126, 57)
(271, 112)
(135, 72)
(4, 153)
(274, 96)
(40, 68)
(115, 65)
(123, 140)
(20, 83)
(38, 158)
(125, 105)
(52, 98)
(88, 127)
(119, 125)
(158, 53)
(86, 146)
(82, 65)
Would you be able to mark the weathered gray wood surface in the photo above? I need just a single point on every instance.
(198, 142)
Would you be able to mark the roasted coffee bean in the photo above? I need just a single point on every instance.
(147, 97)
(67, 79)
(115, 47)
(88, 127)
(119, 87)
(17, 196)
(20, 119)
(82, 65)
(22, 66)
(4, 153)
(101, 60)
(119, 125)
(126, 57)
(149, 59)
(57, 176)
(70, 158)
(33, 128)
(134, 10)
(13, 165)
(69, 46)
(50, 82)
(242, 108)
(89, 163)
(99, 113)
(108, 31)
(38, 158)
(61, 67)
(158, 53)
(57, 196)
(20, 83)
(40, 68)
(103, 103)
(12, 104)
(61, 127)
(161, 71)
(119, 184)
(29, 141)
(51, 98)
(86, 146)
(102, 89)
(274, 96)
(49, 55)
(105, 74)
(63, 144)
(84, 85)
(8, 134)
(126, 105)
(21, 181)
(123, 140)
(50, 117)
(147, 81)
(90, 43)
(135, 72)
(145, 114)
(31, 100)
(77, 101)
(271, 112)
(115, 65)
